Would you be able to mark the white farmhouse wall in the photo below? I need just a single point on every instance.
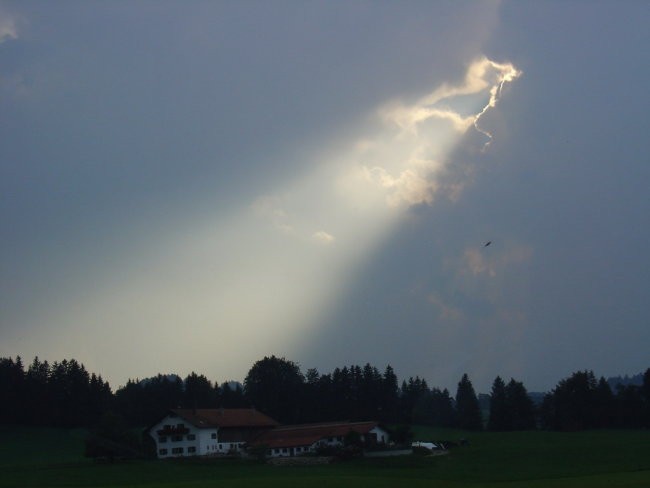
(208, 441)
(196, 442)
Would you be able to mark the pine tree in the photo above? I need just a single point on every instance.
(468, 413)
(443, 408)
(570, 406)
(499, 416)
(37, 393)
(412, 395)
(520, 406)
(645, 394)
(389, 396)
(12, 379)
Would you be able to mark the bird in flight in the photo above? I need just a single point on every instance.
(487, 243)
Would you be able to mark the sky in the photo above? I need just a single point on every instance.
(192, 186)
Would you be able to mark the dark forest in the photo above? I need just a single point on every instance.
(65, 394)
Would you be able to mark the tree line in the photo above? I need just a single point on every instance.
(61, 394)
(582, 402)
(65, 394)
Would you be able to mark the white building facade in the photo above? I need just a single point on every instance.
(207, 432)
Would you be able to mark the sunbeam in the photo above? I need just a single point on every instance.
(270, 270)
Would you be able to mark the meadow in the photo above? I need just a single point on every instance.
(33, 457)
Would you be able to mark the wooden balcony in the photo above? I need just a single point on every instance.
(174, 430)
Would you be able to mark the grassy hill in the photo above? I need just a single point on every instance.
(52, 457)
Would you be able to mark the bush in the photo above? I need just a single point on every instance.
(113, 441)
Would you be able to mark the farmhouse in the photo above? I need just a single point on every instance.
(295, 440)
(202, 432)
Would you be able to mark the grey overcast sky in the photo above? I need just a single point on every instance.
(190, 186)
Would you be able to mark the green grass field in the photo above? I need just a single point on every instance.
(32, 457)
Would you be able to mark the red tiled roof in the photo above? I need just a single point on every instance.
(225, 417)
(307, 434)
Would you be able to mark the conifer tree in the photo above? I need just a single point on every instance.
(520, 407)
(468, 413)
(499, 415)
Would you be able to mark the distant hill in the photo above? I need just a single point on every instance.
(615, 381)
(484, 399)
(169, 377)
(234, 385)
(484, 402)
(537, 397)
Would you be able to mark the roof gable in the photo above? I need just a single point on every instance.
(225, 417)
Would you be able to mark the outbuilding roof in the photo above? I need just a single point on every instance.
(308, 434)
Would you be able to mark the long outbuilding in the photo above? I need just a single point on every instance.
(296, 440)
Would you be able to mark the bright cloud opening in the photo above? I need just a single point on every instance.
(408, 161)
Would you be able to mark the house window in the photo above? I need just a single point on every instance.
(180, 426)
(213, 435)
(330, 439)
(191, 437)
(191, 449)
(284, 449)
(220, 447)
(162, 438)
(162, 452)
(177, 438)
(177, 450)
